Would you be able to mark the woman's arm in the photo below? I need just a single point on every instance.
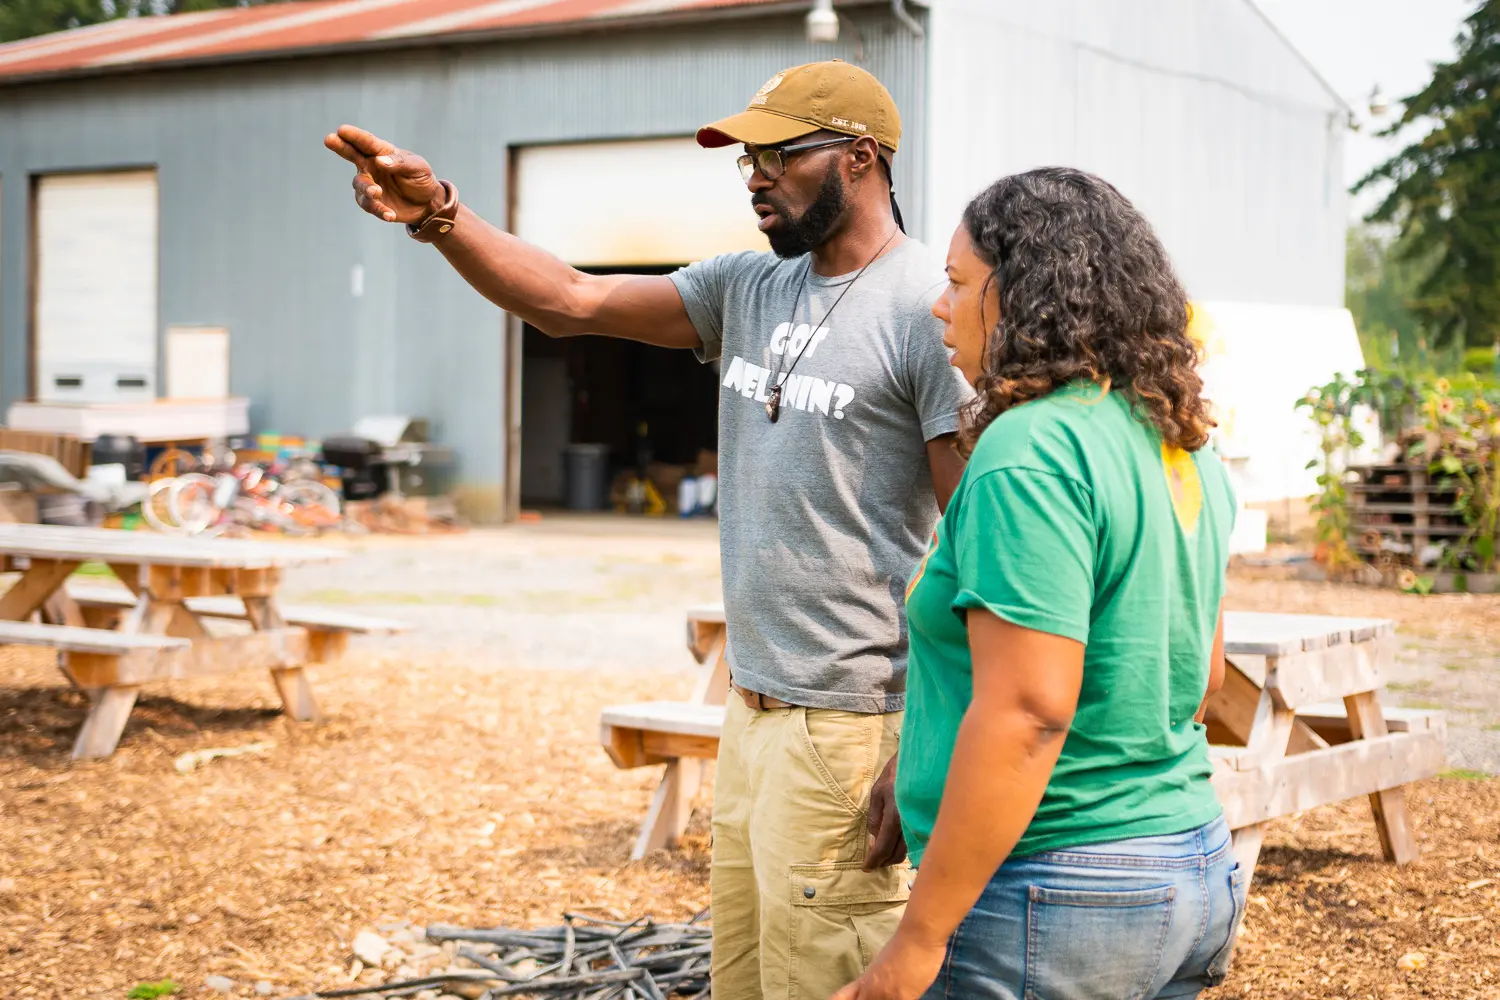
(1026, 686)
(1215, 668)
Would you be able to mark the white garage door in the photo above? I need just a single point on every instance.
(96, 287)
(617, 204)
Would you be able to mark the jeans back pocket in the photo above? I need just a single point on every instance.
(1089, 945)
(1218, 967)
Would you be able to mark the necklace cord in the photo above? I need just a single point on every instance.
(778, 376)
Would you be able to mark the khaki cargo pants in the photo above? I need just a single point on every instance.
(794, 917)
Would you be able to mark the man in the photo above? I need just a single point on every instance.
(836, 415)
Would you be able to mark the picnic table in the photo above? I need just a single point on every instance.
(111, 641)
(1298, 724)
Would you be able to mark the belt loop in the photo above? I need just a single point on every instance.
(760, 701)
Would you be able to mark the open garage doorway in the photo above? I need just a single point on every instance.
(654, 409)
(643, 206)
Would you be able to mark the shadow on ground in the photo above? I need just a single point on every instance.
(39, 724)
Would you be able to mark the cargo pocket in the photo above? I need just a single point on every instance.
(1086, 944)
(1218, 969)
(841, 917)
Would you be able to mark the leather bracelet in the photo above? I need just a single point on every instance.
(442, 220)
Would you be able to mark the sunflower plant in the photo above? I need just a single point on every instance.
(1461, 443)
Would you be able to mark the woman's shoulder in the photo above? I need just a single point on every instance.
(1049, 434)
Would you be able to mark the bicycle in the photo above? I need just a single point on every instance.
(247, 499)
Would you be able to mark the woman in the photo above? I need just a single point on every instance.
(1066, 628)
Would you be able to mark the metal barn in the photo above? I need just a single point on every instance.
(160, 176)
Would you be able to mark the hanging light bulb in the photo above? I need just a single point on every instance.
(1378, 104)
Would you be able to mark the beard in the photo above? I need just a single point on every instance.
(795, 237)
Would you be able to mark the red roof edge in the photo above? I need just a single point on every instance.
(707, 10)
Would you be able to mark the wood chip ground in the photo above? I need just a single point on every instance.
(445, 792)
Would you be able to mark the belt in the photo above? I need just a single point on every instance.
(758, 702)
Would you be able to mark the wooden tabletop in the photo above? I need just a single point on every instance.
(1246, 633)
(47, 541)
(1253, 633)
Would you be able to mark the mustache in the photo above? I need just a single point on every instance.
(761, 198)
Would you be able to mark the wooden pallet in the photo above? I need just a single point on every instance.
(1404, 503)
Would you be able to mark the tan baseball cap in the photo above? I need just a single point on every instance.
(829, 95)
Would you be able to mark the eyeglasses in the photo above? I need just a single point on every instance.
(772, 161)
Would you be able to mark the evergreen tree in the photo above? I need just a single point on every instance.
(1445, 189)
(26, 18)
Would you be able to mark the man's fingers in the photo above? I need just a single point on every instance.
(874, 821)
(364, 183)
(850, 992)
(367, 193)
(368, 144)
(888, 844)
(379, 208)
(343, 149)
(887, 841)
(897, 853)
(373, 205)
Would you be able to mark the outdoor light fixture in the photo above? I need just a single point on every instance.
(1376, 108)
(822, 22)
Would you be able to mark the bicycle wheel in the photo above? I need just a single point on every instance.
(157, 508)
(252, 513)
(190, 498)
(172, 463)
(310, 504)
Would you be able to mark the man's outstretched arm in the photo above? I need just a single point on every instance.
(398, 186)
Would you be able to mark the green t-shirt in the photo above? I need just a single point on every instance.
(1075, 519)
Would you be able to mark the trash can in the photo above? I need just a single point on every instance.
(586, 467)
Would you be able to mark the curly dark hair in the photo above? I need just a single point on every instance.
(1086, 292)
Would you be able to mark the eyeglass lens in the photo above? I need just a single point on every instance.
(769, 161)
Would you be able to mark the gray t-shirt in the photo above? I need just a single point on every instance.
(824, 514)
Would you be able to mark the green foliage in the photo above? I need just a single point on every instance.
(1445, 189)
(1379, 284)
(1450, 425)
(26, 18)
(151, 991)
(1482, 361)
(1332, 407)
(1420, 585)
(1461, 442)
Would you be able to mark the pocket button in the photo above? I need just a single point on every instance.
(808, 892)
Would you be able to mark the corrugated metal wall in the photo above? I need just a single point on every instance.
(1195, 109)
(259, 232)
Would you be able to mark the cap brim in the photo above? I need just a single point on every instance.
(753, 128)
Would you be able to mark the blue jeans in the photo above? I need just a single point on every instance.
(1153, 917)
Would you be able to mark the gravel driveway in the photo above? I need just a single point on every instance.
(609, 592)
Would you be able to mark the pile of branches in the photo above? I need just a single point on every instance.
(583, 959)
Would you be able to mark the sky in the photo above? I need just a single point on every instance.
(1356, 44)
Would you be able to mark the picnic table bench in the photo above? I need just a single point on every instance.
(111, 641)
(328, 629)
(1298, 724)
